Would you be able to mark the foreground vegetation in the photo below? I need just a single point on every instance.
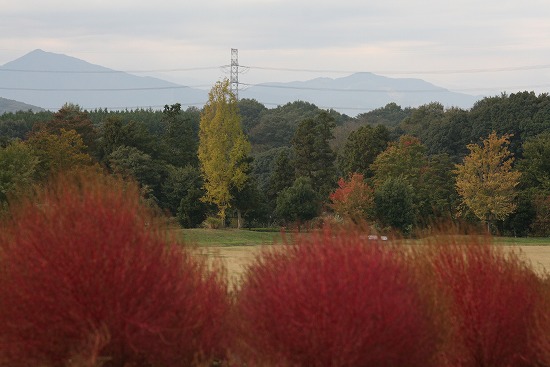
(89, 277)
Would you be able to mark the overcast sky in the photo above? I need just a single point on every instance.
(471, 46)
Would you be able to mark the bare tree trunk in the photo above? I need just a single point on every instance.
(239, 219)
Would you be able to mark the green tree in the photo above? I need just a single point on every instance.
(282, 176)
(438, 188)
(276, 127)
(250, 204)
(180, 140)
(449, 135)
(406, 157)
(486, 181)
(394, 204)
(298, 203)
(263, 166)
(192, 211)
(223, 147)
(390, 115)
(250, 111)
(313, 156)
(111, 136)
(17, 167)
(535, 164)
(177, 184)
(130, 162)
(533, 199)
(362, 147)
(420, 119)
(430, 177)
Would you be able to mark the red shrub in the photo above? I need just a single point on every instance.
(86, 277)
(493, 295)
(542, 329)
(335, 299)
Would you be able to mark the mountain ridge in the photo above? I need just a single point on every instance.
(359, 92)
(50, 80)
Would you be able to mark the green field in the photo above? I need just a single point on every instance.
(242, 237)
(226, 237)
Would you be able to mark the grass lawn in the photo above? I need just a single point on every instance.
(227, 237)
(243, 237)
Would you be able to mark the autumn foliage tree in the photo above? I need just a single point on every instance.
(58, 152)
(353, 199)
(223, 147)
(485, 180)
(72, 117)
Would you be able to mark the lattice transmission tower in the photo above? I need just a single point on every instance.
(234, 87)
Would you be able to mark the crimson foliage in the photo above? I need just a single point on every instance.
(86, 279)
(493, 297)
(335, 299)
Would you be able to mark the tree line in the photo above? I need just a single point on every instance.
(240, 163)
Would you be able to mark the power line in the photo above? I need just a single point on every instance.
(110, 71)
(306, 70)
(247, 85)
(440, 90)
(101, 89)
(362, 90)
(409, 72)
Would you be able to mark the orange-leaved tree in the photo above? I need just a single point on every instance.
(353, 199)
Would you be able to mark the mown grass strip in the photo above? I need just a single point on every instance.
(227, 237)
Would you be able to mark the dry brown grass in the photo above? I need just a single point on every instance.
(237, 258)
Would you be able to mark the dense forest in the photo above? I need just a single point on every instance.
(399, 168)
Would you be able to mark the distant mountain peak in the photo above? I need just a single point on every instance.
(50, 80)
(49, 61)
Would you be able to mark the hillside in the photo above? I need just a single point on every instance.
(8, 105)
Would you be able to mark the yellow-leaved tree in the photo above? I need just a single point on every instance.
(223, 148)
(485, 180)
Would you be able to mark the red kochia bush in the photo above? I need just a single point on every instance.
(335, 299)
(542, 333)
(493, 296)
(87, 279)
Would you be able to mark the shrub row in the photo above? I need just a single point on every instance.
(88, 278)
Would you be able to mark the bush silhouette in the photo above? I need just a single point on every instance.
(334, 298)
(89, 279)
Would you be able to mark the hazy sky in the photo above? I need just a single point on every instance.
(472, 46)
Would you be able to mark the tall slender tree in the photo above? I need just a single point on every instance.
(223, 147)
